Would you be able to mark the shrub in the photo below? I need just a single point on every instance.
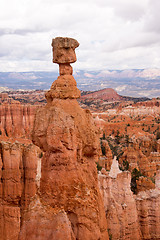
(109, 234)
(103, 150)
(104, 137)
(135, 176)
(127, 139)
(98, 167)
(158, 135)
(125, 165)
(41, 155)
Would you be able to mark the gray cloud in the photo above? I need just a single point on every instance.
(113, 34)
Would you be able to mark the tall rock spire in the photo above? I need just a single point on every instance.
(63, 54)
(69, 205)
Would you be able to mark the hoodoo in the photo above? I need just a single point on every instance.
(68, 204)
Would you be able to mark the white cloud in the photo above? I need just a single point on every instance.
(121, 88)
(152, 23)
(113, 34)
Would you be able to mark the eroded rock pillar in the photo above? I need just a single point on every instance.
(69, 195)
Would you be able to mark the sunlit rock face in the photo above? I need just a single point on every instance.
(148, 209)
(138, 160)
(129, 216)
(16, 120)
(119, 203)
(64, 50)
(18, 185)
(105, 159)
(69, 204)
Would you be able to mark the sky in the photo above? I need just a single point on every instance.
(113, 34)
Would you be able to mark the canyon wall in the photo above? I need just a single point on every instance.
(105, 159)
(119, 203)
(23, 205)
(148, 209)
(18, 184)
(16, 120)
(129, 216)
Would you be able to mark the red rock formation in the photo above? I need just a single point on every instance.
(105, 161)
(137, 159)
(144, 184)
(148, 204)
(64, 50)
(152, 103)
(69, 204)
(120, 205)
(61, 199)
(16, 120)
(130, 216)
(18, 169)
(158, 146)
(145, 144)
(108, 94)
(3, 96)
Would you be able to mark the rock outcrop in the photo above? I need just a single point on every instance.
(119, 203)
(107, 94)
(130, 216)
(138, 160)
(144, 183)
(18, 171)
(69, 204)
(148, 205)
(114, 169)
(16, 120)
(105, 160)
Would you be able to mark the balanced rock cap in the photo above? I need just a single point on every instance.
(64, 50)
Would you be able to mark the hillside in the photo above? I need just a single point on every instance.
(104, 99)
(108, 94)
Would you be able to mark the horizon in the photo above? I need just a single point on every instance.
(134, 82)
(89, 70)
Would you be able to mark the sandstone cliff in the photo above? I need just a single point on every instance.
(138, 160)
(148, 205)
(105, 160)
(18, 171)
(16, 120)
(119, 203)
(129, 216)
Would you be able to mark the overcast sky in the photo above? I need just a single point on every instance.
(113, 34)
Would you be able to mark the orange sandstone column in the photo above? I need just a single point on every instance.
(69, 205)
